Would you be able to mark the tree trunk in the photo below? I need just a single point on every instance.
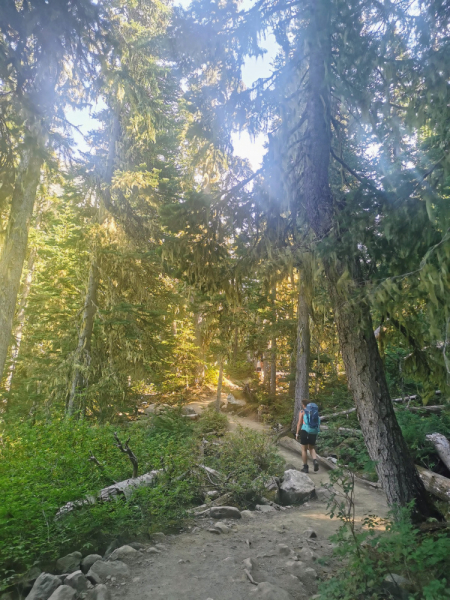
(303, 351)
(20, 319)
(200, 368)
(219, 385)
(82, 356)
(14, 249)
(365, 373)
(273, 348)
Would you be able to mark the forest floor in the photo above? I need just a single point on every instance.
(198, 564)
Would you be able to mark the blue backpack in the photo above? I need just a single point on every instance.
(312, 412)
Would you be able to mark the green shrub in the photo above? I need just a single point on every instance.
(381, 548)
(212, 422)
(42, 467)
(247, 459)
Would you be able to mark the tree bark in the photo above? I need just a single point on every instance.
(20, 318)
(219, 385)
(364, 368)
(303, 352)
(82, 357)
(14, 248)
(273, 348)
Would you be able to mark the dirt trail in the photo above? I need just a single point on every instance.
(200, 565)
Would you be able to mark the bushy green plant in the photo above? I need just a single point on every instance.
(247, 459)
(212, 422)
(42, 467)
(382, 548)
(415, 427)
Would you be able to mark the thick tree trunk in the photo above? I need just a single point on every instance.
(364, 368)
(303, 352)
(219, 385)
(375, 410)
(14, 249)
(82, 356)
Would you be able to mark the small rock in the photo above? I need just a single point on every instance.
(306, 554)
(188, 410)
(264, 508)
(268, 591)
(77, 581)
(224, 512)
(250, 563)
(247, 514)
(214, 530)
(399, 580)
(153, 550)
(125, 553)
(161, 547)
(295, 567)
(115, 568)
(88, 561)
(44, 586)
(221, 527)
(310, 533)
(69, 563)
(296, 488)
(94, 578)
(100, 592)
(137, 545)
(284, 550)
(308, 575)
(64, 592)
(158, 536)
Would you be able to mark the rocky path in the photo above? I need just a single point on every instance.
(273, 548)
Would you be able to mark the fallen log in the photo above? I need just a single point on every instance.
(431, 409)
(125, 488)
(337, 414)
(436, 484)
(442, 445)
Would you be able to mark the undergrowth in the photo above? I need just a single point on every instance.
(371, 557)
(47, 464)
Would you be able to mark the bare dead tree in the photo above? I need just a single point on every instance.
(129, 452)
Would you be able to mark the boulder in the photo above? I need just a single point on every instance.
(64, 592)
(234, 401)
(69, 563)
(99, 592)
(225, 512)
(115, 568)
(110, 549)
(26, 582)
(125, 553)
(77, 581)
(268, 591)
(308, 575)
(188, 410)
(153, 550)
(88, 561)
(296, 488)
(44, 586)
(247, 514)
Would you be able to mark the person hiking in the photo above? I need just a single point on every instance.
(309, 422)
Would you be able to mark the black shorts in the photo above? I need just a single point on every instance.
(307, 439)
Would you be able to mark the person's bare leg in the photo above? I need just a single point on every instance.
(312, 451)
(305, 454)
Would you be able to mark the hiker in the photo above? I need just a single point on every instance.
(309, 422)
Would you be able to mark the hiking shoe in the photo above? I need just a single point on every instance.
(316, 466)
(305, 469)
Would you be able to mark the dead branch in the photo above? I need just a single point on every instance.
(127, 450)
